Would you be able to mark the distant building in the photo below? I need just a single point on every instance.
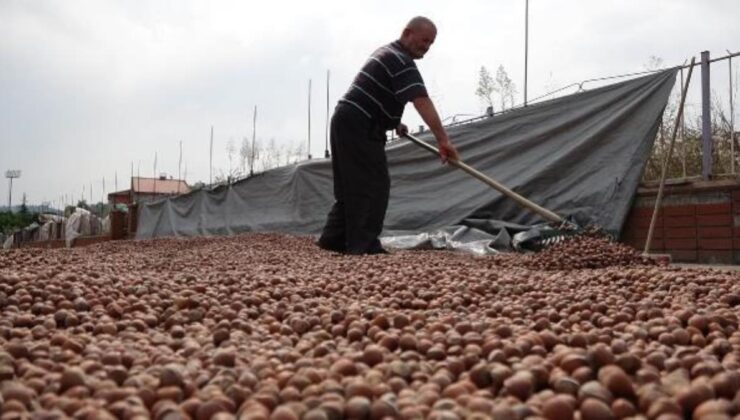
(148, 189)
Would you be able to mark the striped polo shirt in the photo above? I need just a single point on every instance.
(385, 83)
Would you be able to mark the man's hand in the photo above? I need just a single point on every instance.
(447, 151)
(402, 130)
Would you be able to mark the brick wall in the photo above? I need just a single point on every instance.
(698, 222)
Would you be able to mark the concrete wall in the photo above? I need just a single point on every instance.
(699, 221)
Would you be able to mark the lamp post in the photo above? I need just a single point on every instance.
(10, 174)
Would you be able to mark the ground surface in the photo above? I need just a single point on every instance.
(268, 326)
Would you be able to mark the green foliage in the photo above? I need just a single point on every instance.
(485, 86)
(686, 157)
(501, 87)
(9, 222)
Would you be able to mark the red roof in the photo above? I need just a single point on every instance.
(159, 186)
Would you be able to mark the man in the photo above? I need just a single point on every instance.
(372, 105)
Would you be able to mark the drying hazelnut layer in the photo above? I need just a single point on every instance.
(263, 326)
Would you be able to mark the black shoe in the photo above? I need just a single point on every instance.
(378, 251)
(372, 251)
(333, 247)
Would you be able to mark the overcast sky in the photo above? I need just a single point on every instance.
(88, 87)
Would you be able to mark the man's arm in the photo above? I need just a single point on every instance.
(428, 112)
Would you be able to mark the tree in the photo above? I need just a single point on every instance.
(24, 207)
(234, 171)
(686, 159)
(505, 88)
(271, 155)
(230, 152)
(248, 154)
(654, 63)
(485, 86)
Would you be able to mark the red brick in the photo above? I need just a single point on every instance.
(671, 244)
(715, 243)
(736, 196)
(715, 257)
(680, 232)
(736, 243)
(639, 243)
(639, 212)
(715, 232)
(714, 220)
(629, 241)
(736, 232)
(655, 245)
(634, 243)
(643, 233)
(645, 222)
(686, 210)
(715, 208)
(684, 255)
(680, 221)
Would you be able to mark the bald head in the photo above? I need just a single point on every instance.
(418, 22)
(418, 36)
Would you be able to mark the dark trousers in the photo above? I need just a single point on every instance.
(361, 183)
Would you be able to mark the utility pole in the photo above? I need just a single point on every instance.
(210, 162)
(11, 174)
(326, 141)
(309, 119)
(526, 46)
(254, 140)
(155, 173)
(179, 165)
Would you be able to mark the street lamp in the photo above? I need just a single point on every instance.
(10, 174)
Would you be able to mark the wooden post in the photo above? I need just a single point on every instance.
(667, 159)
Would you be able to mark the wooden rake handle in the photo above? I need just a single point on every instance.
(545, 213)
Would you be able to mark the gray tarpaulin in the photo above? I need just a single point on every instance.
(580, 156)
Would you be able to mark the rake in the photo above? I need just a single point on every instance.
(534, 239)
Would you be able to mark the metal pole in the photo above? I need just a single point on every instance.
(254, 139)
(210, 161)
(10, 196)
(706, 119)
(732, 122)
(683, 138)
(326, 141)
(155, 173)
(667, 159)
(179, 165)
(309, 119)
(526, 47)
